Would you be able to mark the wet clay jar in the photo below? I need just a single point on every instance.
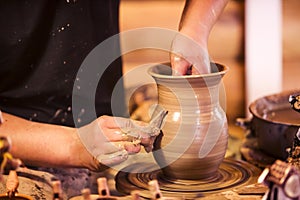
(195, 133)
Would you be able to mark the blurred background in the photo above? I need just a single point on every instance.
(227, 45)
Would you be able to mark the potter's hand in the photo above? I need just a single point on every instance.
(145, 134)
(103, 139)
(111, 139)
(189, 56)
(190, 45)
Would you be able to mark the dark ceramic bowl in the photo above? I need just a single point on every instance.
(274, 123)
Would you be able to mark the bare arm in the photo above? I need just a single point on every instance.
(95, 146)
(198, 18)
(40, 144)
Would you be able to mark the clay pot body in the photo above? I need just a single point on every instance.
(195, 133)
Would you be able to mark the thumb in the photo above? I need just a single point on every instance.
(180, 65)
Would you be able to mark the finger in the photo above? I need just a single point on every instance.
(146, 140)
(112, 147)
(108, 122)
(179, 65)
(111, 127)
(201, 66)
(113, 158)
(118, 122)
(148, 144)
(124, 129)
(118, 135)
(132, 148)
(114, 134)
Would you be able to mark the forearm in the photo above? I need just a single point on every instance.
(42, 144)
(199, 16)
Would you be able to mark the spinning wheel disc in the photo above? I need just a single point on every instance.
(231, 174)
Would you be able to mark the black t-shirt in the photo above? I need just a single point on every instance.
(42, 45)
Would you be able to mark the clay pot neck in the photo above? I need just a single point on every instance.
(198, 90)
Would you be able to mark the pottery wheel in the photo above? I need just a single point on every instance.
(231, 174)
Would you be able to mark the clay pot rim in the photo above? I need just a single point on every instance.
(223, 70)
(17, 195)
(255, 112)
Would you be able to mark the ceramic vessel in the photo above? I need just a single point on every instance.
(195, 133)
(33, 184)
(16, 197)
(274, 123)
